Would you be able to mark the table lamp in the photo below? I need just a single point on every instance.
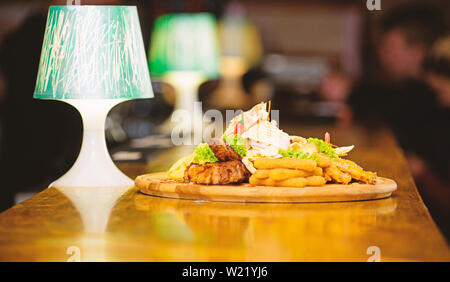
(184, 53)
(93, 58)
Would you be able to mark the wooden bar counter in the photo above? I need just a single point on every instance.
(121, 224)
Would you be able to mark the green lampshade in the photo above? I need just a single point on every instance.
(93, 52)
(184, 42)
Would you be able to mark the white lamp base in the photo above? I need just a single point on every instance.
(230, 94)
(93, 167)
(186, 85)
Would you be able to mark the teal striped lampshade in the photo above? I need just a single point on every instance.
(185, 42)
(93, 52)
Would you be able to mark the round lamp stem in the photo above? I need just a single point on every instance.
(186, 84)
(93, 167)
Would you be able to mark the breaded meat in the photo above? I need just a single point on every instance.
(223, 151)
(217, 173)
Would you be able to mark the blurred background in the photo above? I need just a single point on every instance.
(319, 62)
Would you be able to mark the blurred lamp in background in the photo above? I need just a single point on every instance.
(184, 53)
(241, 49)
(93, 58)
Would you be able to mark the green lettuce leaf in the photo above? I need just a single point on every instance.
(324, 147)
(296, 154)
(237, 142)
(203, 154)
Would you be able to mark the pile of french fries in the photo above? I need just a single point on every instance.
(291, 172)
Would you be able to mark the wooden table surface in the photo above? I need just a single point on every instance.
(121, 224)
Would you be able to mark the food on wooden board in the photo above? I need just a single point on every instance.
(253, 149)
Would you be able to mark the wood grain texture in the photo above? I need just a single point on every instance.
(157, 184)
(138, 227)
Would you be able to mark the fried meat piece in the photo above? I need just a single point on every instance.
(223, 151)
(217, 173)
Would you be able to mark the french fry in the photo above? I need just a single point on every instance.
(316, 180)
(323, 160)
(369, 177)
(261, 173)
(355, 171)
(298, 182)
(290, 172)
(302, 164)
(264, 182)
(278, 174)
(349, 167)
(337, 175)
(290, 182)
(318, 171)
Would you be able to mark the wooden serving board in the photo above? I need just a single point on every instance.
(157, 184)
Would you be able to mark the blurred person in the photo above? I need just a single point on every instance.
(397, 94)
(437, 70)
(2, 86)
(407, 34)
(400, 95)
(434, 178)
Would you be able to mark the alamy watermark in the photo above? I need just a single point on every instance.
(189, 130)
(73, 2)
(375, 254)
(74, 253)
(373, 5)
